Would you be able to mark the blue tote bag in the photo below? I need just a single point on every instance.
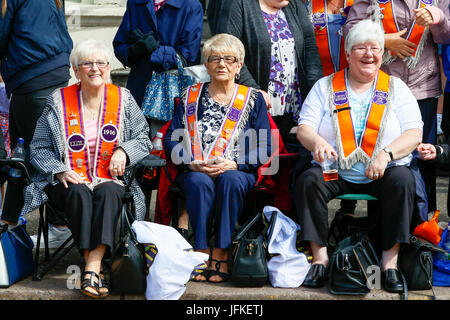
(17, 259)
(160, 92)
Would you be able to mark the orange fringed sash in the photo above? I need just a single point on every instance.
(375, 114)
(75, 136)
(390, 22)
(236, 109)
(320, 24)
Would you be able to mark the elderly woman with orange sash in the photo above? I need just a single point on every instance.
(90, 133)
(216, 166)
(412, 30)
(370, 122)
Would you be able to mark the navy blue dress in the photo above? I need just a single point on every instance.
(220, 200)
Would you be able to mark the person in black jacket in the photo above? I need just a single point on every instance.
(283, 59)
(34, 50)
(439, 156)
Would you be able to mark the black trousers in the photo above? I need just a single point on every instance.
(92, 215)
(25, 110)
(396, 192)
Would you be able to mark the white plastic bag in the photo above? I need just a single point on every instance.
(289, 267)
(174, 262)
(198, 72)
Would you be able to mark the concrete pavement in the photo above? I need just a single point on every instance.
(55, 285)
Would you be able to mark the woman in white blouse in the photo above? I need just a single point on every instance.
(370, 123)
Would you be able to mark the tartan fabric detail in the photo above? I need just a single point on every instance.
(150, 252)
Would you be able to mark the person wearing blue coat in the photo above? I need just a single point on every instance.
(35, 46)
(151, 34)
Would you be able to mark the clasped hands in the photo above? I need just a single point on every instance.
(116, 168)
(213, 169)
(375, 170)
(402, 47)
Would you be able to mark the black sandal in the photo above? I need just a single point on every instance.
(217, 272)
(89, 283)
(103, 283)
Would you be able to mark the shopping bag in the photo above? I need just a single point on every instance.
(158, 102)
(16, 255)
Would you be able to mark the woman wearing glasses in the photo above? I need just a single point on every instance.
(89, 134)
(370, 122)
(412, 30)
(217, 168)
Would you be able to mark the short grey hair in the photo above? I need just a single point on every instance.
(86, 48)
(224, 42)
(364, 31)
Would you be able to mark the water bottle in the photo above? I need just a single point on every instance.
(158, 145)
(18, 154)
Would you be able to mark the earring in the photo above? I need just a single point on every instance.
(237, 76)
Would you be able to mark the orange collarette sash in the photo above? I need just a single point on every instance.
(373, 119)
(320, 24)
(77, 153)
(235, 110)
(390, 22)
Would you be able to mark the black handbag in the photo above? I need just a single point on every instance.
(249, 247)
(128, 267)
(343, 225)
(349, 264)
(415, 260)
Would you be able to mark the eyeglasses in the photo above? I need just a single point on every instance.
(363, 50)
(90, 64)
(226, 59)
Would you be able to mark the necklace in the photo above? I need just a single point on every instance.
(215, 96)
(336, 8)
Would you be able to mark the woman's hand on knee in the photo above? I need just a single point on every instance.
(69, 176)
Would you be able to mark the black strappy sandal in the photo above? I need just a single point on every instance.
(103, 283)
(217, 272)
(89, 283)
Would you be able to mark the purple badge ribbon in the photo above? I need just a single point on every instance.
(234, 114)
(319, 20)
(383, 1)
(427, 2)
(76, 142)
(190, 109)
(380, 97)
(109, 133)
(340, 98)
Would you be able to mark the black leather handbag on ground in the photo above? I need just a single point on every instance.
(343, 225)
(415, 260)
(249, 247)
(128, 265)
(349, 264)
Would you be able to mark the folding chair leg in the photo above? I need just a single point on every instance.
(54, 262)
(38, 245)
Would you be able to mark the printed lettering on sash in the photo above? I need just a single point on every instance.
(234, 114)
(76, 142)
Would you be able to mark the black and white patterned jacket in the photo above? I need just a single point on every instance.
(47, 151)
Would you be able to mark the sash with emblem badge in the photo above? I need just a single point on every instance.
(346, 141)
(234, 114)
(77, 151)
(417, 34)
(320, 24)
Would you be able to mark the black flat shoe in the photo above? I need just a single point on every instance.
(316, 276)
(184, 233)
(392, 281)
